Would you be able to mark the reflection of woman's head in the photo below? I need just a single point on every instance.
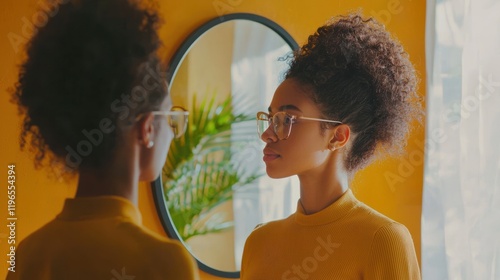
(359, 75)
(90, 69)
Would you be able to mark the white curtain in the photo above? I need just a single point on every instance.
(461, 199)
(256, 72)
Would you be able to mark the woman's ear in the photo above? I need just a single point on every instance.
(146, 130)
(340, 137)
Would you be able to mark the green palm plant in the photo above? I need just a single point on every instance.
(199, 173)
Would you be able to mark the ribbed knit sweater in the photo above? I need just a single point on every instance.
(100, 238)
(346, 240)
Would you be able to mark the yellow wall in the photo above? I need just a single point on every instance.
(394, 187)
(206, 69)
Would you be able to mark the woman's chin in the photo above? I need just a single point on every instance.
(276, 175)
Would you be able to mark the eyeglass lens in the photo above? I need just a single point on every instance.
(281, 122)
(178, 121)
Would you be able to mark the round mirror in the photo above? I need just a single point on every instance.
(213, 190)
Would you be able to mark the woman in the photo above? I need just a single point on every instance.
(350, 90)
(94, 100)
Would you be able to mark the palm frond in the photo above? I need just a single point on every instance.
(199, 174)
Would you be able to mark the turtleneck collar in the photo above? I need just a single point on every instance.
(101, 207)
(333, 212)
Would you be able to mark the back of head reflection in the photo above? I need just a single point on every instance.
(95, 103)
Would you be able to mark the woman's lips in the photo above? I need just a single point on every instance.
(269, 155)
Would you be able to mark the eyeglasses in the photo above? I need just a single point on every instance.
(282, 123)
(177, 118)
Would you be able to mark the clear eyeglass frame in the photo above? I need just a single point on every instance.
(282, 123)
(177, 119)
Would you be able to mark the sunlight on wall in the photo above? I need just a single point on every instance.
(39, 199)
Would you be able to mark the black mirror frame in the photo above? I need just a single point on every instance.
(157, 185)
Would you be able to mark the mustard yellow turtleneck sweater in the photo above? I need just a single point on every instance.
(346, 240)
(100, 238)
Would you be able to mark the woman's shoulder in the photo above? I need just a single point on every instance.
(267, 230)
(169, 256)
(108, 234)
(164, 256)
(370, 218)
(381, 227)
(272, 226)
(392, 252)
(143, 252)
(152, 240)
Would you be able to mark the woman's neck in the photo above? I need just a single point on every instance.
(118, 178)
(320, 188)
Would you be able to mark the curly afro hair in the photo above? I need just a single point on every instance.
(84, 69)
(360, 75)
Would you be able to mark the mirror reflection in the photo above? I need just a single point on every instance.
(214, 182)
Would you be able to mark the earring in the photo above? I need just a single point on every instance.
(150, 144)
(331, 148)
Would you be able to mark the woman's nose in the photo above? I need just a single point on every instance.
(269, 136)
